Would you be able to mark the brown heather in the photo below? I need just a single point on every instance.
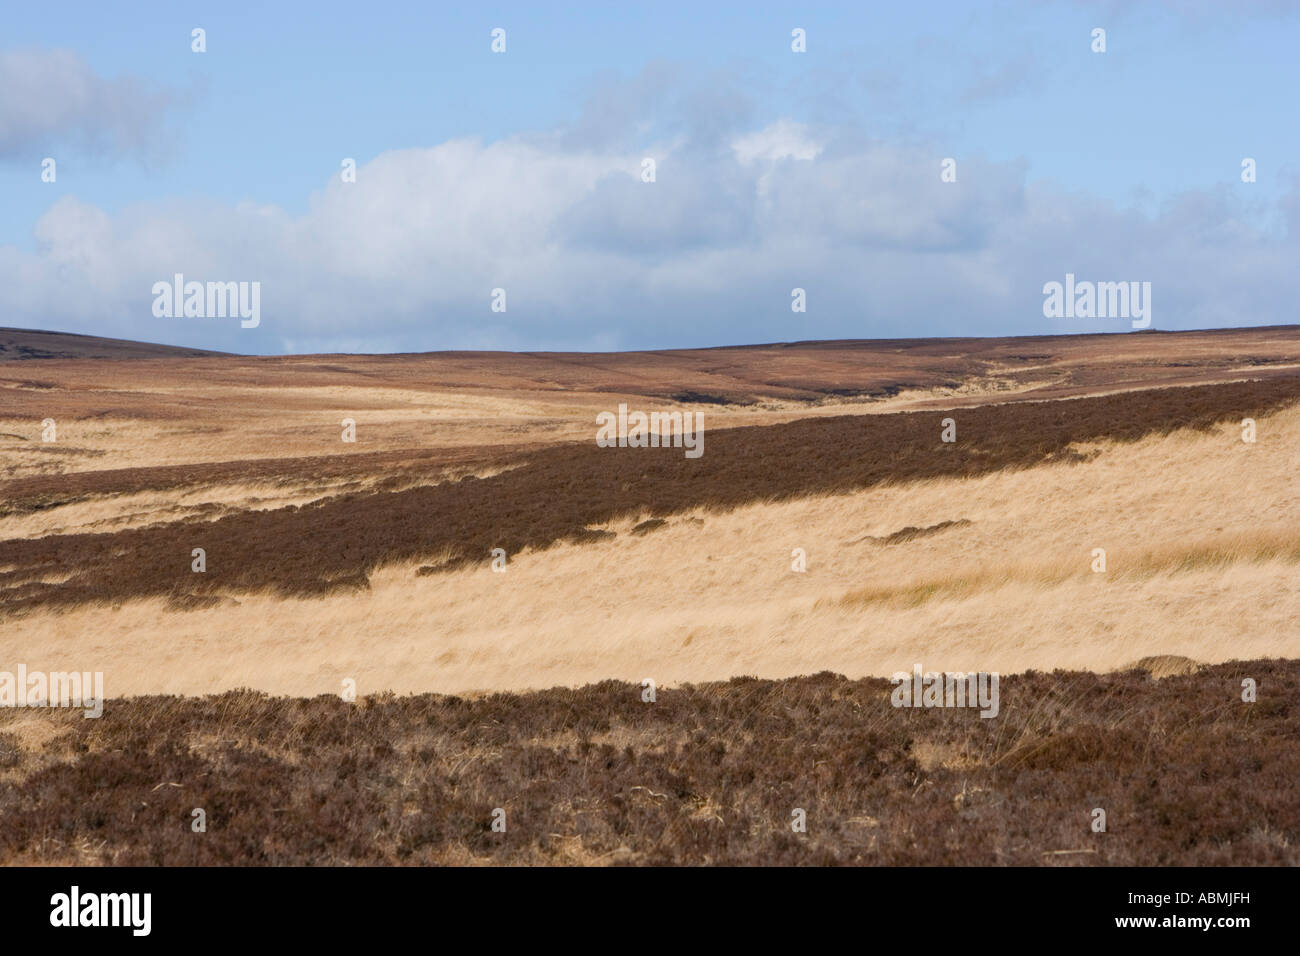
(1187, 773)
(554, 494)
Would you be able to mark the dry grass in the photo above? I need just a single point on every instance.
(556, 494)
(1200, 531)
(368, 562)
(220, 423)
(107, 513)
(140, 406)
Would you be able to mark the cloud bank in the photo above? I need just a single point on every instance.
(591, 256)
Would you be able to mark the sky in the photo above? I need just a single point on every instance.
(501, 198)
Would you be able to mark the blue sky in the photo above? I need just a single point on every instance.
(520, 170)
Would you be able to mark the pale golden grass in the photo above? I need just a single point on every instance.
(108, 513)
(42, 734)
(285, 424)
(216, 420)
(1201, 531)
(164, 410)
(1221, 552)
(228, 424)
(279, 426)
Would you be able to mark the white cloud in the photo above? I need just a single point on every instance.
(592, 257)
(52, 98)
(782, 140)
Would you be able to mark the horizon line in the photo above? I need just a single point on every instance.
(194, 352)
